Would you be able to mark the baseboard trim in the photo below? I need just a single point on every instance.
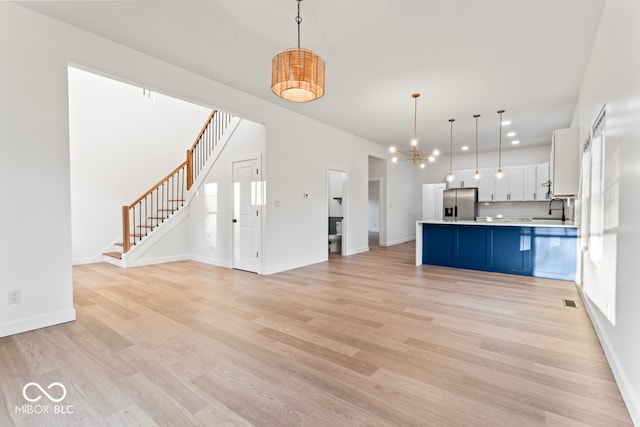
(357, 251)
(294, 265)
(211, 261)
(399, 241)
(37, 322)
(157, 260)
(88, 260)
(628, 395)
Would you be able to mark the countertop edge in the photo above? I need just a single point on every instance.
(499, 224)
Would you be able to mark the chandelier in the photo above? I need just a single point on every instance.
(415, 155)
(297, 74)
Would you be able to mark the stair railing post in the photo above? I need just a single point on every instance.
(126, 231)
(189, 169)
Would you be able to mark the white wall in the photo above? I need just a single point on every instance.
(35, 158)
(121, 144)
(403, 206)
(611, 78)
(374, 206)
(336, 183)
(35, 225)
(211, 209)
(378, 171)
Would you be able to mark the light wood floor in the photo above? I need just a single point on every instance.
(368, 339)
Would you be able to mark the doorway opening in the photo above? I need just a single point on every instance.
(375, 212)
(336, 212)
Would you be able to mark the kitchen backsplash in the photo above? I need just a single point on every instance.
(539, 210)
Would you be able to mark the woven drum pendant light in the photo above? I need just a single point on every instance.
(297, 74)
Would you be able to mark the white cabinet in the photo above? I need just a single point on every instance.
(542, 180)
(529, 182)
(565, 153)
(516, 183)
(486, 185)
(519, 183)
(465, 179)
(511, 186)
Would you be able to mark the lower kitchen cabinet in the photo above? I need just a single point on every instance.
(442, 253)
(510, 250)
(548, 252)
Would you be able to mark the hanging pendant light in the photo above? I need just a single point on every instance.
(476, 175)
(415, 155)
(297, 74)
(499, 173)
(451, 177)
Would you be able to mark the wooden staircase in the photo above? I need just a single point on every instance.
(168, 196)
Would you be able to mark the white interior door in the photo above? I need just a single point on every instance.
(247, 210)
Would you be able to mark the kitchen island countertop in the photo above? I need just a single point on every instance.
(499, 223)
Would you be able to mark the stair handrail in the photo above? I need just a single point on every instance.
(160, 201)
(162, 181)
(197, 155)
(193, 147)
(205, 143)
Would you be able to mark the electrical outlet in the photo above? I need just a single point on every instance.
(15, 297)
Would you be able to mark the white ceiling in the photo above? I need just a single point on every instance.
(463, 56)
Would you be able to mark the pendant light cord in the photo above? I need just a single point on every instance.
(415, 114)
(476, 116)
(500, 141)
(451, 147)
(298, 21)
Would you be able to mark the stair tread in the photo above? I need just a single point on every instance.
(175, 200)
(116, 255)
(166, 210)
(157, 217)
(119, 244)
(145, 226)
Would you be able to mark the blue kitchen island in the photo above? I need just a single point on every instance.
(527, 249)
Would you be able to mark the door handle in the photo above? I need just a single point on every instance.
(234, 220)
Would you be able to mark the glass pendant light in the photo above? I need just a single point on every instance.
(476, 175)
(451, 177)
(499, 173)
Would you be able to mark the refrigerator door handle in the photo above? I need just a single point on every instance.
(455, 212)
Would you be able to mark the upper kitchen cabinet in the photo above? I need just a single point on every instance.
(464, 179)
(511, 186)
(564, 162)
(529, 178)
(486, 185)
(542, 181)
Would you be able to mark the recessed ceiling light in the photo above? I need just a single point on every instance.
(465, 148)
(506, 122)
(515, 142)
(510, 134)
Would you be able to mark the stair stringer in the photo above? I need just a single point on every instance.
(135, 257)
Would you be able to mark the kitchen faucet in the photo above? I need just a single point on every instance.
(557, 209)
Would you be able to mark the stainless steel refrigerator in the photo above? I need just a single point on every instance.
(460, 204)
